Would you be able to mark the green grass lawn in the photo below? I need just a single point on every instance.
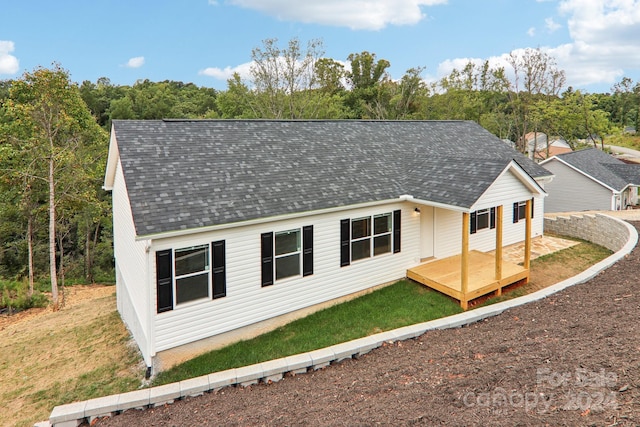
(401, 304)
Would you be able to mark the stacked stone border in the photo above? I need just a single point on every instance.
(604, 230)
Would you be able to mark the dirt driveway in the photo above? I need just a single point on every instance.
(572, 359)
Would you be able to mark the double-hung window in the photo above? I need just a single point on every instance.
(482, 219)
(287, 254)
(190, 274)
(369, 236)
(520, 210)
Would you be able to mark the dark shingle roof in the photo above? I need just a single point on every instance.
(183, 174)
(603, 167)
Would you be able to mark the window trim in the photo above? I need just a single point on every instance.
(516, 210)
(268, 256)
(177, 277)
(298, 252)
(491, 220)
(347, 240)
(166, 279)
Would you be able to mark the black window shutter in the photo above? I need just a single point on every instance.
(473, 224)
(164, 280)
(345, 242)
(492, 218)
(267, 259)
(532, 199)
(219, 276)
(307, 250)
(396, 231)
(515, 212)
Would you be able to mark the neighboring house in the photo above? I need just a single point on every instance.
(590, 180)
(556, 146)
(221, 224)
(534, 142)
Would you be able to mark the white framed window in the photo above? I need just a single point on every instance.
(360, 238)
(482, 219)
(287, 253)
(368, 241)
(382, 227)
(192, 273)
(369, 236)
(189, 274)
(520, 210)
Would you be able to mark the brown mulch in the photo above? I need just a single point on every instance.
(571, 359)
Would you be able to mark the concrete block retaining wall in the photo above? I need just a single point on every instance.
(600, 229)
(610, 232)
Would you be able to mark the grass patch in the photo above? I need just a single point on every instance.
(555, 267)
(401, 304)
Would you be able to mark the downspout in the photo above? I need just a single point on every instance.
(151, 338)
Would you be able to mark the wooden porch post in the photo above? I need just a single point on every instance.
(527, 238)
(499, 246)
(465, 260)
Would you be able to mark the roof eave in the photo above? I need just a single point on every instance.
(189, 231)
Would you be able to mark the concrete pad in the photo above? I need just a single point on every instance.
(101, 406)
(218, 380)
(134, 399)
(164, 394)
(299, 363)
(249, 375)
(69, 412)
(194, 386)
(322, 357)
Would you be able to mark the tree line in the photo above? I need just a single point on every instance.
(55, 220)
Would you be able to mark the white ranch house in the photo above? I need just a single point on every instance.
(221, 224)
(590, 179)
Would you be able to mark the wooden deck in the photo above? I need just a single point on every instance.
(444, 275)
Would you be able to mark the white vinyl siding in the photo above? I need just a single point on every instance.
(247, 302)
(131, 269)
(572, 191)
(506, 190)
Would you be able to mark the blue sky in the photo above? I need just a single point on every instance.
(596, 42)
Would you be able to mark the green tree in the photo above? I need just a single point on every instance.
(52, 129)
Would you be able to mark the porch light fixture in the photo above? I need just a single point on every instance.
(417, 210)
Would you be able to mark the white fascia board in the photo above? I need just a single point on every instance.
(112, 162)
(403, 198)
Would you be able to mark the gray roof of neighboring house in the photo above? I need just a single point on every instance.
(603, 167)
(183, 174)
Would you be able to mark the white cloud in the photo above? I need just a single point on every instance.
(531, 31)
(136, 62)
(603, 48)
(552, 25)
(226, 73)
(604, 35)
(9, 64)
(354, 14)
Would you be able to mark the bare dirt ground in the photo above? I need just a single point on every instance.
(572, 359)
(44, 353)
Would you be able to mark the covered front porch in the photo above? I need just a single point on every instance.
(472, 274)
